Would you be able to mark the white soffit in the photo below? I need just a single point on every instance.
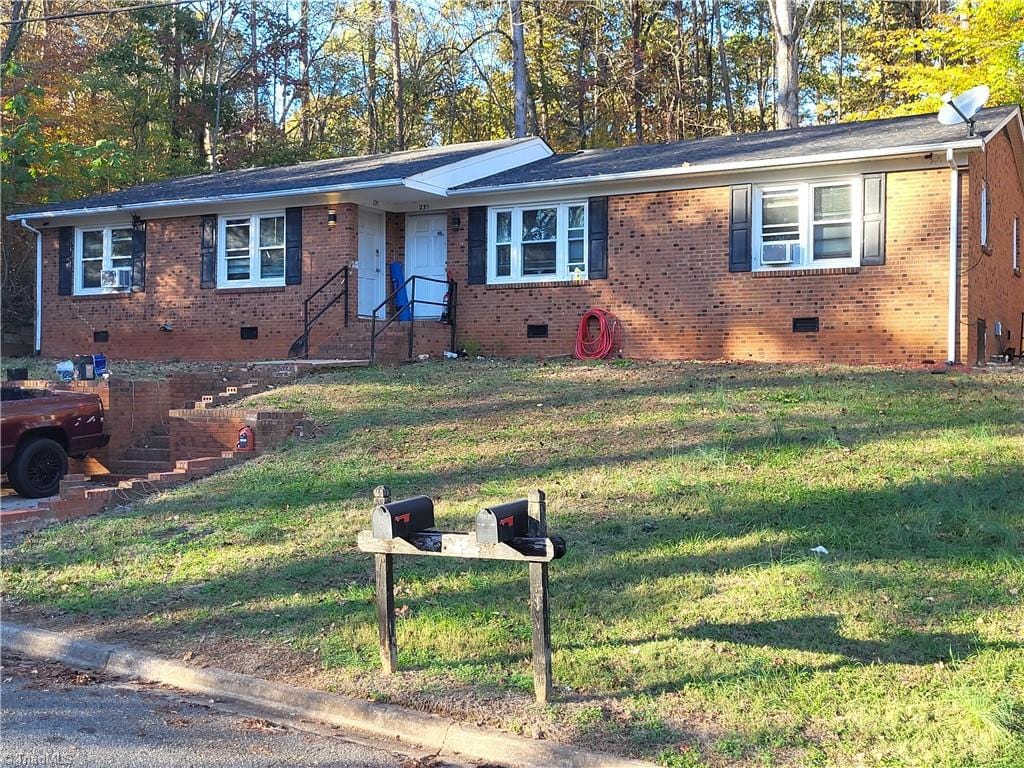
(438, 181)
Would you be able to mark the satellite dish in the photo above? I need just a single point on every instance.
(963, 108)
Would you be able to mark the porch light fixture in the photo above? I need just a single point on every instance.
(456, 222)
(332, 218)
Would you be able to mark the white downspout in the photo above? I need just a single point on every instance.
(39, 286)
(954, 272)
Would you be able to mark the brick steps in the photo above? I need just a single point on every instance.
(136, 468)
(152, 455)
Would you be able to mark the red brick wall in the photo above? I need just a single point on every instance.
(669, 284)
(206, 322)
(994, 292)
(207, 432)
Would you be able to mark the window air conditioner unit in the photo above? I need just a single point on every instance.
(778, 253)
(116, 278)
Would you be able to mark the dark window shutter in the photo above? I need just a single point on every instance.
(293, 246)
(740, 228)
(597, 221)
(138, 255)
(478, 245)
(873, 239)
(208, 253)
(65, 261)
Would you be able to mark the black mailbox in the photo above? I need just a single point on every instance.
(503, 522)
(402, 518)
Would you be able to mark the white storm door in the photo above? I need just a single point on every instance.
(372, 278)
(426, 255)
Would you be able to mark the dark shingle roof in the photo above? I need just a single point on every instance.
(317, 173)
(866, 135)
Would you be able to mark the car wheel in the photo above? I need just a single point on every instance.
(38, 468)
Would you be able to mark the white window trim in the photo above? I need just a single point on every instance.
(562, 272)
(805, 259)
(254, 251)
(79, 289)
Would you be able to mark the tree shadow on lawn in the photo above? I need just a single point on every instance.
(590, 586)
(610, 396)
(286, 488)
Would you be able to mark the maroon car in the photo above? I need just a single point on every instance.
(39, 429)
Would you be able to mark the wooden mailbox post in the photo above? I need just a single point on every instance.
(515, 531)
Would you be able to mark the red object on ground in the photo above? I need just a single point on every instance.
(246, 439)
(602, 345)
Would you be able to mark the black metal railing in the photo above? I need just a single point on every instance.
(300, 348)
(448, 313)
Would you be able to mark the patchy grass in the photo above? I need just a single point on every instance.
(692, 623)
(44, 368)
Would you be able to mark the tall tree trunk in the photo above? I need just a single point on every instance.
(581, 93)
(723, 68)
(396, 74)
(254, 136)
(19, 12)
(787, 23)
(174, 100)
(542, 72)
(842, 64)
(679, 112)
(304, 90)
(518, 68)
(636, 34)
(371, 81)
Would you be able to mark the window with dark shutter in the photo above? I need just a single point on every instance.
(597, 217)
(873, 239)
(138, 255)
(477, 236)
(208, 252)
(293, 246)
(65, 248)
(740, 228)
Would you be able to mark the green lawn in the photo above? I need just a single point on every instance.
(691, 622)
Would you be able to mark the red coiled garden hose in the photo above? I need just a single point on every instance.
(603, 343)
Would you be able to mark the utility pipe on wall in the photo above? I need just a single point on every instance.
(954, 272)
(39, 286)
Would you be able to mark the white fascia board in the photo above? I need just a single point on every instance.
(440, 181)
(205, 201)
(718, 168)
(807, 173)
(1015, 115)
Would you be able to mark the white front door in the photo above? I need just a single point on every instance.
(372, 279)
(426, 255)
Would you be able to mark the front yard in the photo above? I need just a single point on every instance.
(692, 623)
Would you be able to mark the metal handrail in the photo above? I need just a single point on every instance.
(411, 306)
(308, 323)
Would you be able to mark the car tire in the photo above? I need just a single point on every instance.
(38, 468)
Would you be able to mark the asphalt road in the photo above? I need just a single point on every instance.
(54, 716)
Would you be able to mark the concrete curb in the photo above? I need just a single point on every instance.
(442, 735)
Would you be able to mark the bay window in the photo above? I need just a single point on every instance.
(547, 241)
(807, 225)
(103, 260)
(251, 251)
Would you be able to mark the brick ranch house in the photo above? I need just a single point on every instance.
(886, 241)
